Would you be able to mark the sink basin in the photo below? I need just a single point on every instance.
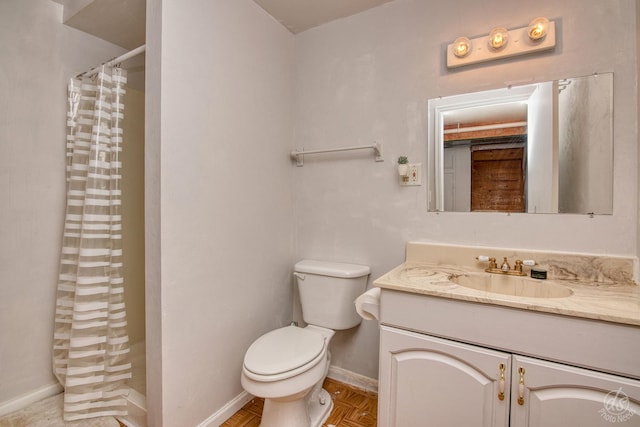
(511, 285)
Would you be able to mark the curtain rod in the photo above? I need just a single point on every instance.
(135, 52)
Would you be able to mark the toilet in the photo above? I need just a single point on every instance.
(287, 366)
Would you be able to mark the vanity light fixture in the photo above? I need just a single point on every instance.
(461, 47)
(498, 38)
(538, 28)
(539, 35)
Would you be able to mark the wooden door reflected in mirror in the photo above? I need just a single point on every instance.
(497, 179)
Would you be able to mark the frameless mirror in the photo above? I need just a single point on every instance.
(540, 148)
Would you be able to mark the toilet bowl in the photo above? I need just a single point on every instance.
(287, 366)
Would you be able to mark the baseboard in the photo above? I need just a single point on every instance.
(335, 373)
(137, 399)
(224, 413)
(27, 399)
(353, 379)
(137, 410)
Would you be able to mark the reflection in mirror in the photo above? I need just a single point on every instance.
(540, 148)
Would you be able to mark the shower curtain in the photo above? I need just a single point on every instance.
(90, 344)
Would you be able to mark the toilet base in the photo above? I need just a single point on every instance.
(318, 413)
(311, 411)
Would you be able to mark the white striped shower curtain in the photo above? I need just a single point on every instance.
(90, 344)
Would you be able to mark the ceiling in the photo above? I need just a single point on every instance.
(300, 15)
(122, 22)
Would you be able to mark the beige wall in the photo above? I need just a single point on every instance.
(133, 212)
(368, 78)
(229, 94)
(356, 80)
(38, 56)
(637, 93)
(219, 201)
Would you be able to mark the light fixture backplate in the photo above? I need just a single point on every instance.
(519, 44)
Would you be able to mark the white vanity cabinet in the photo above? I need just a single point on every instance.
(442, 364)
(556, 395)
(426, 381)
(429, 381)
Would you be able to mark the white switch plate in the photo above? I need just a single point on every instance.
(414, 176)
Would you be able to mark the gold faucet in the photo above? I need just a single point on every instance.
(504, 268)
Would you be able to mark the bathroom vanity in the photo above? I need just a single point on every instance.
(454, 355)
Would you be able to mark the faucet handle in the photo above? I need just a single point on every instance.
(490, 260)
(518, 266)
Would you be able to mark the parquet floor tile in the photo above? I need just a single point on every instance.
(352, 407)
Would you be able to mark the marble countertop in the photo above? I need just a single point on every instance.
(612, 302)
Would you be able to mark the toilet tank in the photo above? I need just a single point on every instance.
(328, 291)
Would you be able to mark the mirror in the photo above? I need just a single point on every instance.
(539, 148)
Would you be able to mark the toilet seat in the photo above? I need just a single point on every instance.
(283, 353)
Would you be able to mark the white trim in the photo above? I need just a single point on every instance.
(136, 404)
(138, 399)
(27, 399)
(335, 373)
(224, 413)
(136, 410)
(353, 379)
(461, 129)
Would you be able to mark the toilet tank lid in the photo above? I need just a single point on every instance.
(333, 269)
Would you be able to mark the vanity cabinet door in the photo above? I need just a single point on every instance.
(426, 381)
(555, 395)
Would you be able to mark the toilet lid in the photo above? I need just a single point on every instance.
(283, 350)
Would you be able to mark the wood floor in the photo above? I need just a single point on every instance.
(352, 407)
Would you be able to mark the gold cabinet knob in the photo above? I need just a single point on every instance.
(521, 386)
(501, 383)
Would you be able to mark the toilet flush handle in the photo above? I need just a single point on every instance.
(299, 276)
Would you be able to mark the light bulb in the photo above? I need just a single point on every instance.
(498, 37)
(461, 47)
(538, 28)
